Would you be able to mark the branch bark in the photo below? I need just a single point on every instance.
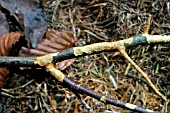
(82, 51)
(74, 87)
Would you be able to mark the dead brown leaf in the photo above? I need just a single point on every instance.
(3, 73)
(29, 16)
(6, 43)
(52, 42)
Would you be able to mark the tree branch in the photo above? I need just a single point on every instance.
(66, 82)
(143, 74)
(82, 51)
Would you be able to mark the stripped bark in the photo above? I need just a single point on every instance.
(89, 49)
(81, 51)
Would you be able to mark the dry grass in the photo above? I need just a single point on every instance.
(91, 22)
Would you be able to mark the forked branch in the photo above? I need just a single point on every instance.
(78, 88)
(74, 52)
(90, 49)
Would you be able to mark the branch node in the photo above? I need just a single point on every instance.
(46, 59)
(55, 72)
(103, 99)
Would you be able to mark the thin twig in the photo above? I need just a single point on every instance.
(148, 25)
(82, 51)
(81, 90)
(82, 101)
(90, 49)
(123, 52)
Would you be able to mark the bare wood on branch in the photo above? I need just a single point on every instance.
(74, 52)
(78, 88)
(91, 49)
